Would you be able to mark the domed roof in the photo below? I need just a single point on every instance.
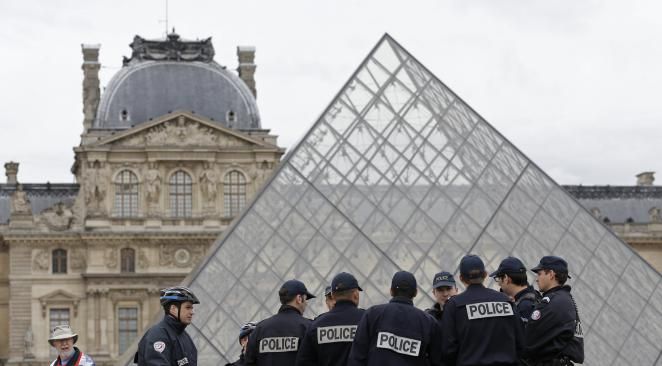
(168, 75)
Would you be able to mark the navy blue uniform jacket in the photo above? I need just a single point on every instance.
(525, 301)
(166, 344)
(481, 327)
(396, 334)
(551, 331)
(330, 336)
(276, 340)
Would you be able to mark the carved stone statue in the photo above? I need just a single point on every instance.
(58, 217)
(20, 202)
(96, 188)
(153, 186)
(208, 184)
(655, 215)
(28, 342)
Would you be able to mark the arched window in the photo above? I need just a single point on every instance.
(59, 261)
(234, 192)
(128, 260)
(180, 194)
(126, 194)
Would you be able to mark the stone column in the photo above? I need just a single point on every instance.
(104, 303)
(91, 92)
(20, 298)
(246, 69)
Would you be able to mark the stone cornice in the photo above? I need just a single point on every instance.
(10, 237)
(609, 192)
(151, 275)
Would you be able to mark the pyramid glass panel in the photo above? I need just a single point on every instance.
(399, 173)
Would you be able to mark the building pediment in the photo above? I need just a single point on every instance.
(58, 297)
(182, 129)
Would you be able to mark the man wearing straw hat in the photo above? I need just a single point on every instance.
(63, 339)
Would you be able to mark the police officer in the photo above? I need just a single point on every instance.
(554, 333)
(276, 340)
(167, 343)
(244, 332)
(397, 333)
(329, 337)
(511, 277)
(480, 326)
(328, 299)
(443, 287)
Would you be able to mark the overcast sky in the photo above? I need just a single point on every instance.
(574, 84)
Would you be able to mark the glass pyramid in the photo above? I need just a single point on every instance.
(400, 174)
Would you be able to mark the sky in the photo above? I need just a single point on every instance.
(574, 84)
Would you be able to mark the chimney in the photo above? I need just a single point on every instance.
(246, 69)
(11, 171)
(91, 93)
(645, 178)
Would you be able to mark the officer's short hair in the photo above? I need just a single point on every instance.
(561, 277)
(474, 277)
(285, 296)
(343, 295)
(408, 292)
(518, 278)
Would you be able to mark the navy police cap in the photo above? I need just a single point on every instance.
(344, 281)
(556, 264)
(403, 279)
(296, 287)
(443, 279)
(509, 265)
(471, 263)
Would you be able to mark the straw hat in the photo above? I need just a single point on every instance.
(62, 332)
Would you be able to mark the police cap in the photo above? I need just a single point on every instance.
(556, 264)
(403, 279)
(443, 279)
(296, 287)
(509, 265)
(344, 281)
(471, 266)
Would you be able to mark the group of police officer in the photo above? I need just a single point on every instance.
(480, 326)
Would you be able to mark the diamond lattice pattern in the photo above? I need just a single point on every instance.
(400, 174)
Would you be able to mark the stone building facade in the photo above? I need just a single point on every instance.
(170, 153)
(633, 212)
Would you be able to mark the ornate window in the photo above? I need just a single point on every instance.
(180, 194)
(128, 260)
(234, 192)
(127, 318)
(59, 261)
(126, 194)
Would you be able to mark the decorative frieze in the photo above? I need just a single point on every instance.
(179, 256)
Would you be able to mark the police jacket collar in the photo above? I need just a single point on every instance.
(474, 287)
(341, 305)
(288, 308)
(174, 323)
(557, 288)
(526, 290)
(402, 300)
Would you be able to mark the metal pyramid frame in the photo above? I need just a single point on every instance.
(399, 173)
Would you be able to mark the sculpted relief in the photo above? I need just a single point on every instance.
(181, 132)
(57, 217)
